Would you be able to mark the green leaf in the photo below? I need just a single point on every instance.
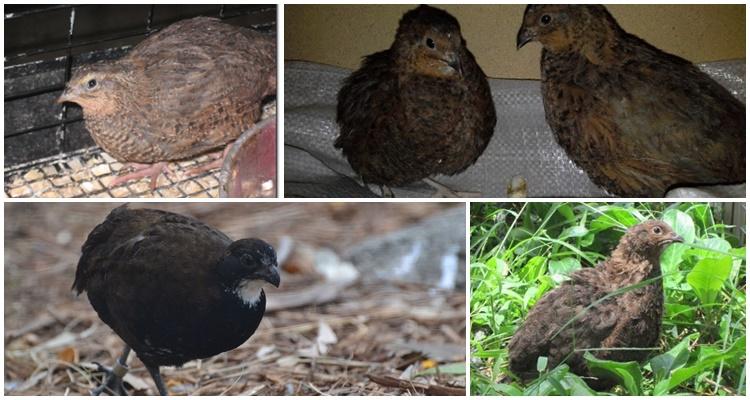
(560, 269)
(614, 217)
(726, 320)
(486, 354)
(715, 244)
(587, 240)
(573, 232)
(738, 252)
(507, 390)
(533, 269)
(707, 359)
(556, 382)
(567, 212)
(676, 357)
(578, 386)
(670, 262)
(708, 276)
(573, 249)
(628, 374)
(530, 294)
(710, 247)
(700, 213)
(498, 266)
(456, 368)
(679, 312)
(541, 364)
(738, 263)
(498, 321)
(560, 381)
(681, 223)
(519, 233)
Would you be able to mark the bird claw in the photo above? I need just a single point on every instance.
(217, 161)
(442, 191)
(113, 383)
(199, 170)
(141, 171)
(387, 192)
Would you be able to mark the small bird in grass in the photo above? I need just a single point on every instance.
(577, 316)
(638, 120)
(421, 108)
(189, 89)
(173, 288)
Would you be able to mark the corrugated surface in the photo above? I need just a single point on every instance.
(523, 145)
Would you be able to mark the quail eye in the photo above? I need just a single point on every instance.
(430, 43)
(246, 259)
(546, 19)
(656, 230)
(91, 83)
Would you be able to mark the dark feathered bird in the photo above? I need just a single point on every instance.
(173, 288)
(190, 88)
(639, 121)
(576, 315)
(421, 108)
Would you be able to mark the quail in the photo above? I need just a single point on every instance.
(599, 308)
(172, 288)
(637, 120)
(421, 108)
(189, 89)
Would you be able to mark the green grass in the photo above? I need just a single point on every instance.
(520, 251)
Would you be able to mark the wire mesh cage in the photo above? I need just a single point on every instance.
(48, 152)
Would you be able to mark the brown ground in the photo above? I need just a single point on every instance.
(385, 335)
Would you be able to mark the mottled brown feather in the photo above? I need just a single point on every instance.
(188, 89)
(630, 319)
(638, 120)
(406, 114)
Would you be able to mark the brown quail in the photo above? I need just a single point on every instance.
(574, 317)
(421, 108)
(189, 89)
(638, 120)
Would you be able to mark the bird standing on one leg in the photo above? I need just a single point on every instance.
(421, 108)
(173, 288)
(191, 88)
(576, 316)
(638, 120)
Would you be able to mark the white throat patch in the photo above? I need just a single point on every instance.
(249, 291)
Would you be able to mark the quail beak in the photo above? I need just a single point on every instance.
(673, 238)
(270, 275)
(524, 36)
(454, 62)
(65, 97)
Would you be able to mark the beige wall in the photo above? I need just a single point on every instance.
(341, 34)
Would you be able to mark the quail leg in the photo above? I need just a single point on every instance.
(113, 382)
(387, 192)
(217, 162)
(156, 376)
(444, 191)
(140, 171)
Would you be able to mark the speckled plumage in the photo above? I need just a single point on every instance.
(639, 121)
(188, 89)
(414, 111)
(631, 319)
(172, 287)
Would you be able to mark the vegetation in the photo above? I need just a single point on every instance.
(520, 251)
